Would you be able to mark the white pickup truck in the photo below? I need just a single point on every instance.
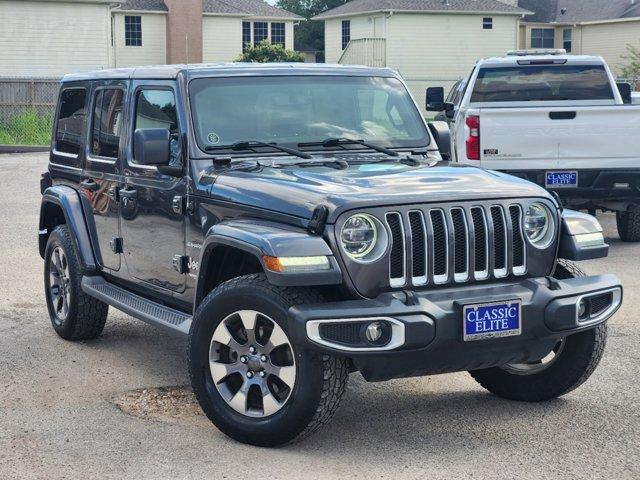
(557, 120)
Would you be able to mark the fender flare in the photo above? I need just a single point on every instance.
(260, 238)
(70, 203)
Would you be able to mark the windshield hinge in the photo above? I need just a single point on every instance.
(318, 220)
(182, 204)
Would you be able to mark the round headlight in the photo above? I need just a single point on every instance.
(539, 225)
(363, 238)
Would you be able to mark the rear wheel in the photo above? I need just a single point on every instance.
(74, 314)
(252, 381)
(629, 224)
(567, 366)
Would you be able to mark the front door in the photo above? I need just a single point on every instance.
(101, 174)
(152, 224)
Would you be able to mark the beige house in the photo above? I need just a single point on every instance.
(589, 27)
(54, 37)
(430, 42)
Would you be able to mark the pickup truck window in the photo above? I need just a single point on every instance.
(304, 109)
(542, 83)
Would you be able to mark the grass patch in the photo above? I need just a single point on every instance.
(28, 128)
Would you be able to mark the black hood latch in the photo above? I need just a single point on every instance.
(318, 220)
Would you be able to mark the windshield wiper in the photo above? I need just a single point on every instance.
(341, 142)
(253, 144)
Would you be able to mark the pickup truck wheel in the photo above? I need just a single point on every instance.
(567, 366)
(252, 381)
(629, 225)
(74, 314)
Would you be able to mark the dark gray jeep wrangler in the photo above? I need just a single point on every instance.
(298, 223)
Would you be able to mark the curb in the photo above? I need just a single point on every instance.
(23, 148)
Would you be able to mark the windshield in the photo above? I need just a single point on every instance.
(304, 109)
(542, 83)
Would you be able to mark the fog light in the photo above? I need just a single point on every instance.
(373, 333)
(582, 309)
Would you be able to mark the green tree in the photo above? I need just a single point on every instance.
(310, 34)
(631, 68)
(265, 52)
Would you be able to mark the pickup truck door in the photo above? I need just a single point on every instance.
(152, 221)
(101, 174)
(578, 137)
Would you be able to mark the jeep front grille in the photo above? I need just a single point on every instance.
(457, 244)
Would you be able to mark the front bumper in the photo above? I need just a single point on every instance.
(428, 326)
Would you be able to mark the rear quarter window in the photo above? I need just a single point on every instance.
(539, 83)
(71, 119)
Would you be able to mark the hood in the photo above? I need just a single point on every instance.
(297, 190)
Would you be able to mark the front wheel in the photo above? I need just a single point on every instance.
(567, 366)
(251, 380)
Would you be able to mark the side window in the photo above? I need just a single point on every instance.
(157, 109)
(107, 121)
(70, 120)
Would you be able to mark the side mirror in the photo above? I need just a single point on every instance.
(435, 99)
(625, 92)
(151, 146)
(449, 110)
(442, 136)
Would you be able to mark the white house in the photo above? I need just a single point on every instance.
(431, 42)
(590, 27)
(54, 37)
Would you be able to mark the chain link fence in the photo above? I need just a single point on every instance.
(27, 108)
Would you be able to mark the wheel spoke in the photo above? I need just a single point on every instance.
(269, 404)
(248, 318)
(286, 374)
(277, 338)
(223, 336)
(220, 371)
(58, 261)
(239, 400)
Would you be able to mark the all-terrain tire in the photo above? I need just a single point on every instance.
(320, 379)
(577, 360)
(85, 316)
(629, 225)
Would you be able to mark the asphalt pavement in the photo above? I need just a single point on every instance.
(62, 414)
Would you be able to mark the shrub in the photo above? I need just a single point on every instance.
(27, 128)
(266, 52)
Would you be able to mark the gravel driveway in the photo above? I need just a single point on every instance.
(91, 410)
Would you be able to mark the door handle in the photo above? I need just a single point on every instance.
(562, 115)
(129, 193)
(90, 184)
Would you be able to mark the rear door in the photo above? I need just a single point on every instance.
(152, 223)
(101, 175)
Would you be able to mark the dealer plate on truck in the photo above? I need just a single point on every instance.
(492, 320)
(562, 179)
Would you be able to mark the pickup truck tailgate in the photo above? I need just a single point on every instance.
(560, 138)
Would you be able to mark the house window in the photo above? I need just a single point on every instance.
(277, 33)
(542, 38)
(487, 23)
(260, 32)
(346, 33)
(567, 39)
(246, 35)
(133, 30)
(107, 120)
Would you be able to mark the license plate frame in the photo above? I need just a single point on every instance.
(511, 331)
(561, 179)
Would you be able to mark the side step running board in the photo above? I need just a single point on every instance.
(139, 307)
